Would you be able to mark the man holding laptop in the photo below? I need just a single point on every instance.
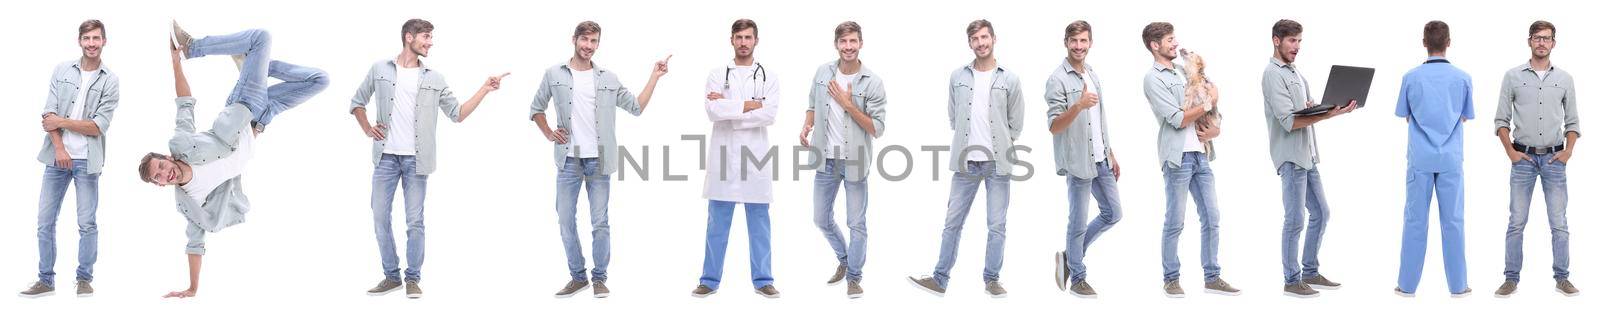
(1294, 151)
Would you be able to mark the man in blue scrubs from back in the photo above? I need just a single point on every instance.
(1436, 101)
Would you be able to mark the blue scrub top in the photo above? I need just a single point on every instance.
(1437, 98)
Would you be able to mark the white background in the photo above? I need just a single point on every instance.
(308, 246)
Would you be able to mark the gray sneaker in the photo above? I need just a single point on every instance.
(853, 291)
(39, 289)
(413, 291)
(1506, 289)
(1172, 289)
(181, 39)
(1061, 270)
(600, 289)
(1321, 282)
(1081, 289)
(927, 283)
(1221, 287)
(994, 289)
(768, 291)
(1299, 290)
(1462, 294)
(702, 291)
(838, 275)
(1565, 287)
(84, 290)
(572, 287)
(385, 287)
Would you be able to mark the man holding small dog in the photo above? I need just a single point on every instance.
(1184, 162)
(1293, 143)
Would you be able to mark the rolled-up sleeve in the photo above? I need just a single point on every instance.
(197, 240)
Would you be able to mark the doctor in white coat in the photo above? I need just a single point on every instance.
(741, 102)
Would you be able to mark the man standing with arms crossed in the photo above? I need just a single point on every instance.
(1537, 123)
(77, 113)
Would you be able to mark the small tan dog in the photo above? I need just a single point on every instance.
(1200, 92)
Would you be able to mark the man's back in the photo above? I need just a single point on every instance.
(1435, 98)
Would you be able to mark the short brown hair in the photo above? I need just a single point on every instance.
(1079, 26)
(743, 24)
(1286, 28)
(413, 27)
(846, 28)
(145, 164)
(1154, 32)
(91, 25)
(972, 28)
(1436, 36)
(1540, 26)
(586, 27)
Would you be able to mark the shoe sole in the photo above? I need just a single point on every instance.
(713, 292)
(86, 295)
(1324, 287)
(1462, 295)
(1061, 270)
(605, 294)
(853, 296)
(773, 296)
(991, 295)
(1220, 292)
(1404, 294)
(414, 296)
(1171, 295)
(1508, 295)
(37, 295)
(574, 292)
(1292, 294)
(1087, 296)
(1572, 294)
(924, 288)
(392, 290)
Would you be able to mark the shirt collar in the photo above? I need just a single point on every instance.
(420, 65)
(1067, 65)
(1529, 67)
(863, 72)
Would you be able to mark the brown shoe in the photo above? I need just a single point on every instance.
(600, 290)
(1172, 289)
(181, 39)
(1565, 287)
(1300, 290)
(768, 291)
(1221, 287)
(385, 287)
(84, 290)
(838, 275)
(39, 289)
(1506, 289)
(702, 291)
(853, 291)
(1321, 282)
(413, 291)
(927, 283)
(572, 288)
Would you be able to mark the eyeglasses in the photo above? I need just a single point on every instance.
(1545, 39)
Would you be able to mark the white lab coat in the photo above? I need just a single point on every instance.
(733, 131)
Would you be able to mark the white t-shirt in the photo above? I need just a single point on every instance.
(1541, 73)
(78, 144)
(206, 177)
(585, 140)
(1097, 140)
(401, 139)
(978, 133)
(837, 117)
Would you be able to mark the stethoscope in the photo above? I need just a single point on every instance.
(759, 77)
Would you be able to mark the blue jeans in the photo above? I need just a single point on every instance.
(1079, 236)
(399, 170)
(854, 255)
(1552, 176)
(963, 189)
(1194, 178)
(50, 196)
(759, 227)
(584, 173)
(299, 84)
(1420, 188)
(1303, 201)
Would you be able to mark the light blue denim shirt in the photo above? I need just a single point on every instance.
(868, 94)
(1164, 89)
(432, 92)
(100, 103)
(1072, 148)
(609, 96)
(1005, 115)
(1284, 91)
(226, 205)
(1539, 111)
